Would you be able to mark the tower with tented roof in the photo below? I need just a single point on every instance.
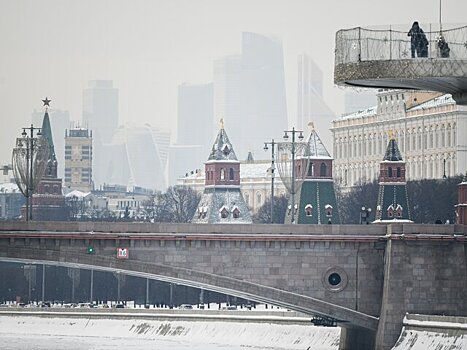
(315, 202)
(393, 200)
(48, 202)
(222, 201)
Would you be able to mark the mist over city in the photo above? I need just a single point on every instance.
(218, 174)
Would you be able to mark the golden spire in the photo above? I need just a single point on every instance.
(222, 123)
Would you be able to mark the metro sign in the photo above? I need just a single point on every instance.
(123, 253)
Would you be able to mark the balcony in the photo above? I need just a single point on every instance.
(382, 58)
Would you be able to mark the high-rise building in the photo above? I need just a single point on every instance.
(249, 93)
(78, 159)
(59, 121)
(194, 129)
(430, 130)
(195, 115)
(100, 109)
(310, 103)
(137, 156)
(100, 114)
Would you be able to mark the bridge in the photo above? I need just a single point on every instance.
(366, 277)
(381, 58)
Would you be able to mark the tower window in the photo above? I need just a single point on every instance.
(398, 172)
(309, 210)
(310, 169)
(389, 172)
(322, 170)
(236, 213)
(222, 174)
(231, 174)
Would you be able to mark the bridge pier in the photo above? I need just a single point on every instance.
(357, 339)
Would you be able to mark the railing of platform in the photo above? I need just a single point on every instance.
(393, 43)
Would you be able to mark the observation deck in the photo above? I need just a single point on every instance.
(382, 58)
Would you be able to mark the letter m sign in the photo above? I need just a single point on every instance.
(122, 253)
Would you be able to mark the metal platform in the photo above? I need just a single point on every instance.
(382, 58)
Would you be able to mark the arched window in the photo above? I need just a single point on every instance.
(310, 169)
(231, 174)
(398, 172)
(328, 209)
(222, 174)
(258, 199)
(308, 210)
(389, 172)
(322, 170)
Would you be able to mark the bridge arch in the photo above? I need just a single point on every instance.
(241, 288)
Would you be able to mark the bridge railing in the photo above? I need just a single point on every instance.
(373, 44)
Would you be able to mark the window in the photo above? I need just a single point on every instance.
(310, 169)
(224, 212)
(308, 210)
(222, 174)
(231, 174)
(389, 172)
(322, 170)
(328, 209)
(398, 172)
(236, 213)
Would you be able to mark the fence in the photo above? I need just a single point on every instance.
(361, 44)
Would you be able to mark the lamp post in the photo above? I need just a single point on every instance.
(272, 143)
(364, 215)
(25, 157)
(286, 137)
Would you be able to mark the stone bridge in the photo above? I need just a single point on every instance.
(366, 277)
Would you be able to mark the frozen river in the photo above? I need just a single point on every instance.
(102, 332)
(46, 342)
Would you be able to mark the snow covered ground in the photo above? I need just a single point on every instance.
(73, 333)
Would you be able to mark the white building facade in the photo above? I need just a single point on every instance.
(430, 130)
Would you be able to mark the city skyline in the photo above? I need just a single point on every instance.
(149, 48)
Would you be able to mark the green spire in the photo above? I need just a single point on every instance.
(392, 151)
(47, 134)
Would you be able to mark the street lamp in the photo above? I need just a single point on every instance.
(272, 143)
(29, 162)
(286, 137)
(364, 215)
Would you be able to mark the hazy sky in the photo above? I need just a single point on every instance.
(52, 48)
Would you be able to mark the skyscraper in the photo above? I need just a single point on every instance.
(310, 103)
(59, 122)
(100, 114)
(100, 109)
(136, 157)
(194, 129)
(78, 159)
(249, 93)
(195, 115)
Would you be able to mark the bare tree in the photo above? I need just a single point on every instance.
(263, 215)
